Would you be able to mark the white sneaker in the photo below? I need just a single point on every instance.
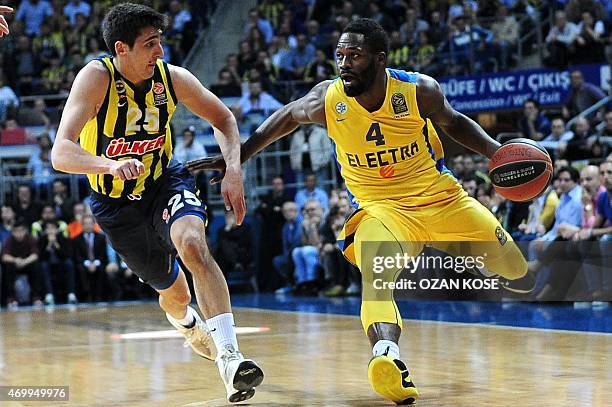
(239, 375)
(198, 337)
(72, 299)
(49, 300)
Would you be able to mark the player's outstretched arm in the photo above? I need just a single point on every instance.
(308, 109)
(86, 96)
(433, 105)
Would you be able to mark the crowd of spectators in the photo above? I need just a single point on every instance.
(56, 252)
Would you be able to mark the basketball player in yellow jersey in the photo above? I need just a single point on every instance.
(120, 108)
(380, 121)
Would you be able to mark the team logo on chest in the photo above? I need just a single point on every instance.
(398, 102)
(159, 94)
(122, 96)
(341, 108)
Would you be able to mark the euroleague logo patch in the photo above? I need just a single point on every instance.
(158, 88)
(398, 101)
(387, 171)
(159, 94)
(501, 236)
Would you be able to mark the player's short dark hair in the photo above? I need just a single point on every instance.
(574, 174)
(374, 36)
(125, 21)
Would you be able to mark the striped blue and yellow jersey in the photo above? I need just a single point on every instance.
(391, 154)
(132, 123)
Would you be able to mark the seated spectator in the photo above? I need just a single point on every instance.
(56, 261)
(297, 59)
(40, 168)
(8, 99)
(48, 44)
(559, 41)
(254, 107)
(320, 69)
(467, 46)
(340, 276)
(75, 7)
(75, 227)
(424, 59)
(412, 27)
(534, 124)
(558, 138)
(90, 257)
(226, 86)
(33, 13)
(48, 215)
(7, 221)
(306, 256)
(311, 191)
(470, 185)
(582, 95)
(292, 238)
(180, 16)
(20, 261)
(541, 216)
(399, 52)
(234, 246)
(606, 131)
(26, 209)
(271, 220)
(505, 35)
(589, 42)
(190, 148)
(568, 213)
(601, 228)
(62, 203)
(263, 25)
(584, 144)
(95, 51)
(438, 30)
(310, 151)
(26, 69)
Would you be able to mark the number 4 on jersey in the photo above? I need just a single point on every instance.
(374, 134)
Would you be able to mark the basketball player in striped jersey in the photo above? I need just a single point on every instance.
(381, 123)
(119, 109)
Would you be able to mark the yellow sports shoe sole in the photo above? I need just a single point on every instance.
(390, 378)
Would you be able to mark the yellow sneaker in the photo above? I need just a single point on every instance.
(390, 378)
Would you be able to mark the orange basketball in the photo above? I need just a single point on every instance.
(520, 170)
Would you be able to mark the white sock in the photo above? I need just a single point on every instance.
(385, 347)
(223, 331)
(189, 318)
(486, 272)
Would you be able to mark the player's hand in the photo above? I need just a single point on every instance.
(232, 191)
(209, 163)
(4, 28)
(127, 169)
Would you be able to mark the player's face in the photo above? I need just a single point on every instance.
(146, 51)
(356, 65)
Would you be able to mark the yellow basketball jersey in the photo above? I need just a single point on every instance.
(390, 154)
(132, 123)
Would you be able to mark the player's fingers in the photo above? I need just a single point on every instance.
(238, 205)
(140, 168)
(227, 201)
(218, 178)
(6, 9)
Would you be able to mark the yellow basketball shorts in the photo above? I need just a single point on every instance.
(443, 224)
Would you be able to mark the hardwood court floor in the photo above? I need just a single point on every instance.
(309, 359)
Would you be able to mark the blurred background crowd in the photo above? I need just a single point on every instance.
(52, 250)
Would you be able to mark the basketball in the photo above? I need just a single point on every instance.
(520, 170)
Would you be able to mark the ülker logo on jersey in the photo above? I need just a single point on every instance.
(119, 147)
(387, 171)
